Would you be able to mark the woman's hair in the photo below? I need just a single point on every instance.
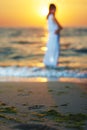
(51, 7)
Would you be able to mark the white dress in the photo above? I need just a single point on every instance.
(52, 53)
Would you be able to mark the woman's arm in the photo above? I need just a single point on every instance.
(59, 25)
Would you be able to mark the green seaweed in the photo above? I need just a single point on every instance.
(2, 103)
(24, 104)
(50, 90)
(10, 118)
(61, 93)
(9, 110)
(66, 104)
(20, 90)
(37, 120)
(70, 120)
(55, 106)
(67, 86)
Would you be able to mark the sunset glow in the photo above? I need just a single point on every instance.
(43, 11)
(33, 13)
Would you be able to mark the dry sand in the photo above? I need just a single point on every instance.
(27, 98)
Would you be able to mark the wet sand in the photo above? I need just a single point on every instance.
(25, 99)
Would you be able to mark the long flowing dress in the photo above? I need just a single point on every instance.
(52, 53)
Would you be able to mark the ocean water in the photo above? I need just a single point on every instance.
(22, 51)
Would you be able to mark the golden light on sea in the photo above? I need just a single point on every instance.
(44, 48)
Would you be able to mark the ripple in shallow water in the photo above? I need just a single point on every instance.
(83, 50)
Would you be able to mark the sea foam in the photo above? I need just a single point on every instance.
(14, 71)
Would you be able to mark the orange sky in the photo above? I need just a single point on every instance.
(32, 12)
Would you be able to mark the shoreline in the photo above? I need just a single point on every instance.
(43, 79)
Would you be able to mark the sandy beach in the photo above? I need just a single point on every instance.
(43, 106)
